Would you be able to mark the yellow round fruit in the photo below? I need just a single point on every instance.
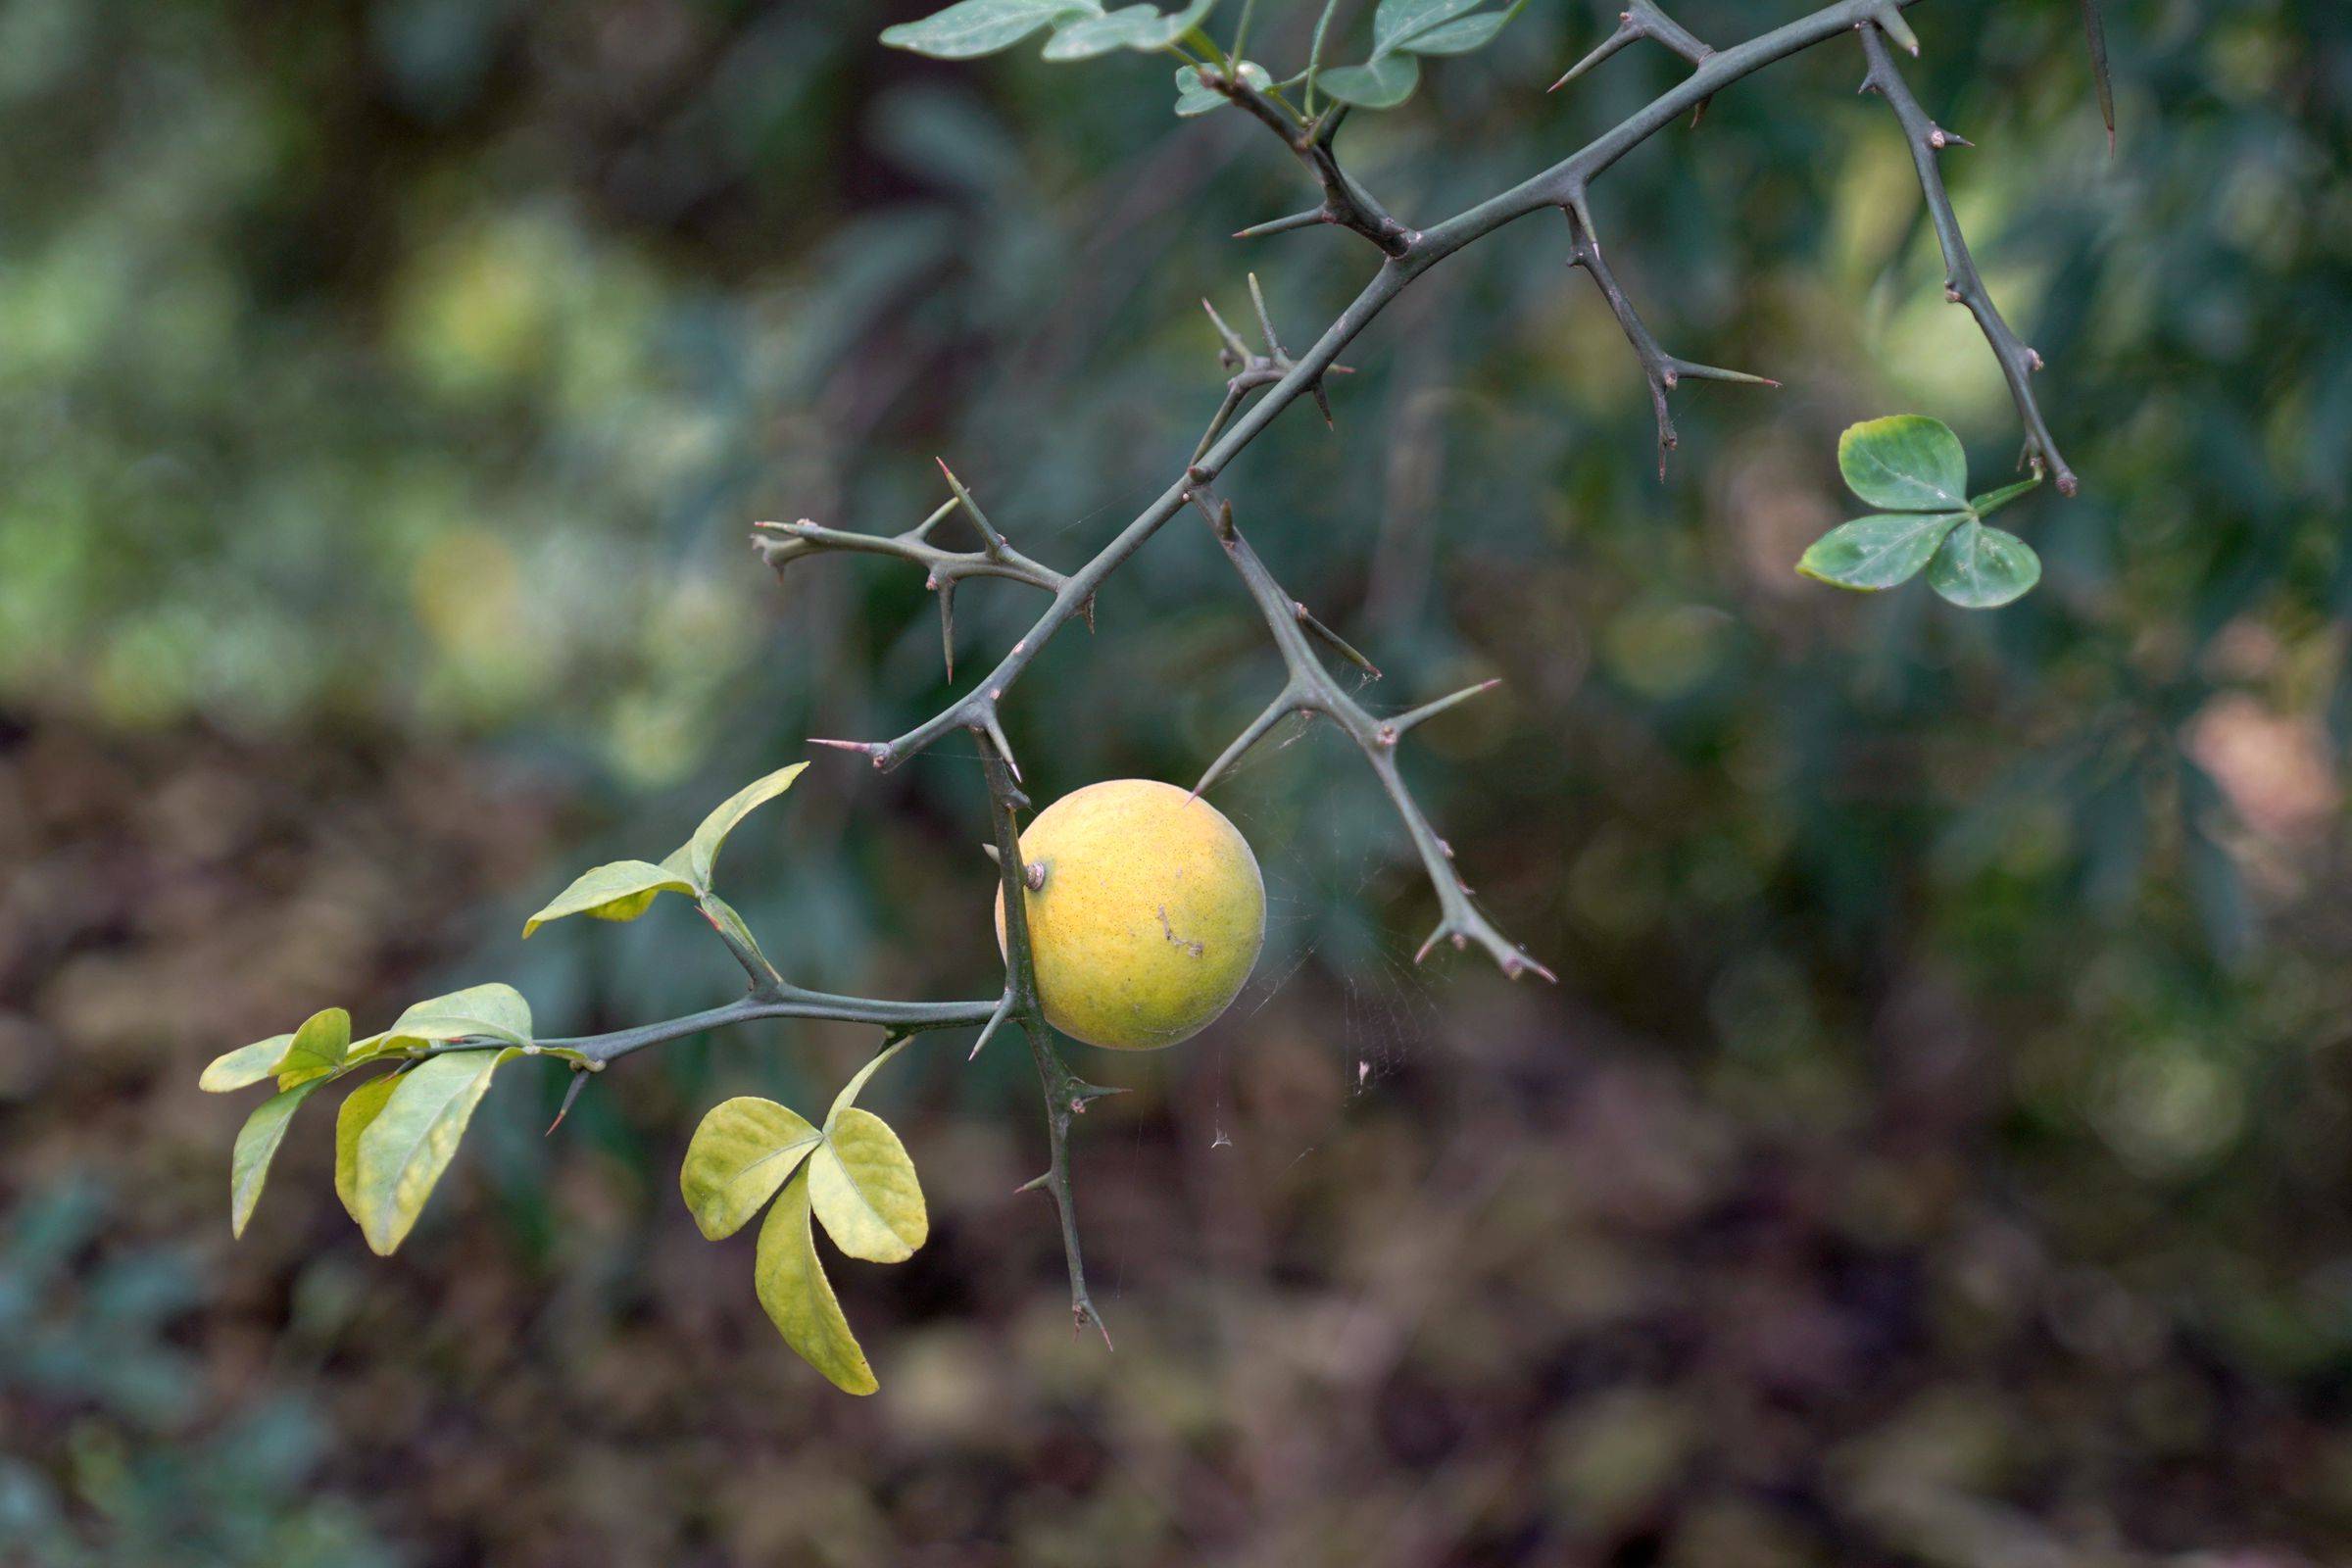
(1149, 917)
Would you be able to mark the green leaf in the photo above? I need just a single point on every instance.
(353, 1116)
(1905, 463)
(799, 1300)
(620, 890)
(317, 1048)
(256, 1144)
(477, 1012)
(1462, 37)
(740, 1153)
(1982, 568)
(701, 852)
(1877, 551)
(244, 1067)
(982, 26)
(1191, 98)
(1380, 83)
(1397, 21)
(1993, 500)
(1139, 27)
(409, 1143)
(863, 1188)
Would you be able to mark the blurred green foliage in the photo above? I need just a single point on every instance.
(1937, 1149)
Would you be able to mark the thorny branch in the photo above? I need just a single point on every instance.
(1345, 202)
(1310, 689)
(1962, 283)
(1407, 253)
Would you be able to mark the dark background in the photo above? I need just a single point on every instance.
(1938, 1149)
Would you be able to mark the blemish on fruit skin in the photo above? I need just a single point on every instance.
(1196, 949)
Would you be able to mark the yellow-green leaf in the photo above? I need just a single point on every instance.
(740, 1153)
(620, 890)
(798, 1298)
(244, 1067)
(317, 1048)
(411, 1141)
(477, 1012)
(256, 1144)
(864, 1187)
(700, 853)
(357, 1113)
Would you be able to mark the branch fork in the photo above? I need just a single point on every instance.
(1663, 371)
(1346, 203)
(1310, 688)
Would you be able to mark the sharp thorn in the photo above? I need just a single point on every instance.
(989, 1029)
(1626, 33)
(1283, 225)
(579, 1081)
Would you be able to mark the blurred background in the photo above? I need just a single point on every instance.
(1938, 1149)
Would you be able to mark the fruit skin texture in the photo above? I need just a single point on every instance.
(1151, 917)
